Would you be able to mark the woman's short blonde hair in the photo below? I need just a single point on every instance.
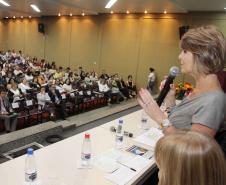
(190, 158)
(208, 46)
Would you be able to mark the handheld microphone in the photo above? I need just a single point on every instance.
(174, 71)
(125, 133)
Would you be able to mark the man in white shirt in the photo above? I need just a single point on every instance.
(24, 86)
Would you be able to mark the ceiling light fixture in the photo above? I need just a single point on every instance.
(14, 17)
(83, 14)
(145, 11)
(165, 12)
(127, 12)
(70, 14)
(35, 8)
(110, 3)
(59, 14)
(4, 3)
(112, 12)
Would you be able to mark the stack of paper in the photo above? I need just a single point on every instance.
(150, 137)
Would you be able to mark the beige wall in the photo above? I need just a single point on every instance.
(127, 44)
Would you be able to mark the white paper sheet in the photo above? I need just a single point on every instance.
(121, 176)
(150, 137)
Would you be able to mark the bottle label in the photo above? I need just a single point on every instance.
(86, 156)
(119, 138)
(29, 177)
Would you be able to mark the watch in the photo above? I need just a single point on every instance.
(166, 123)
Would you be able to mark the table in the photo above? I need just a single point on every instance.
(58, 162)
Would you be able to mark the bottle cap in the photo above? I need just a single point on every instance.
(87, 136)
(30, 151)
(121, 121)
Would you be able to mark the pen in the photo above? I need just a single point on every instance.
(127, 167)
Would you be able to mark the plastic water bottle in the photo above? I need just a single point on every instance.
(30, 167)
(119, 135)
(144, 121)
(86, 151)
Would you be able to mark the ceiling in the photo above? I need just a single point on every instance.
(94, 7)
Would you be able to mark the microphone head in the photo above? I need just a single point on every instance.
(174, 71)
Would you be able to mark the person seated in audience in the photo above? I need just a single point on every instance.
(34, 84)
(28, 76)
(131, 86)
(83, 75)
(87, 79)
(24, 86)
(56, 98)
(93, 76)
(80, 71)
(104, 75)
(104, 88)
(2, 80)
(44, 100)
(204, 109)
(14, 93)
(122, 86)
(41, 79)
(6, 112)
(115, 90)
(17, 71)
(66, 74)
(59, 86)
(189, 158)
(67, 86)
(59, 73)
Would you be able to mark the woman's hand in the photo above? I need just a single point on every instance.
(150, 106)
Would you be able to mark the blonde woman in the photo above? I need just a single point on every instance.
(202, 55)
(190, 158)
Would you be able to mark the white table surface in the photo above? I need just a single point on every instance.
(57, 163)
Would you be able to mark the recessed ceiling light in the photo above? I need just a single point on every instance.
(112, 12)
(145, 11)
(4, 3)
(35, 8)
(127, 12)
(14, 17)
(70, 14)
(59, 14)
(110, 3)
(165, 12)
(29, 17)
(83, 14)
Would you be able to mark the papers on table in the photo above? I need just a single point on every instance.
(136, 163)
(108, 161)
(123, 166)
(121, 176)
(150, 137)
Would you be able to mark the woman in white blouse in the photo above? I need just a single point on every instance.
(67, 86)
(43, 98)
